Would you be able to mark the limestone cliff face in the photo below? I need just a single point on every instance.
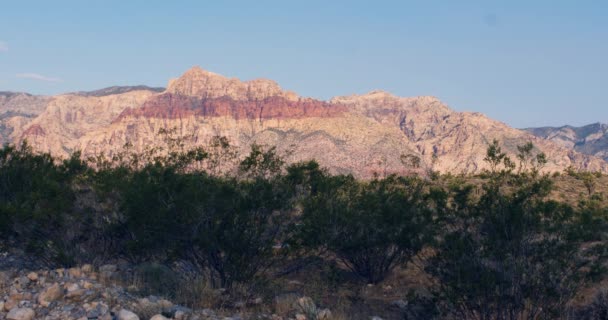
(360, 134)
(456, 141)
(346, 144)
(69, 117)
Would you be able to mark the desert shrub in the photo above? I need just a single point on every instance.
(597, 309)
(224, 224)
(156, 279)
(244, 220)
(261, 163)
(511, 253)
(159, 204)
(371, 227)
(36, 202)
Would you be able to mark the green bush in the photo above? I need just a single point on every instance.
(225, 224)
(37, 202)
(241, 225)
(371, 227)
(511, 253)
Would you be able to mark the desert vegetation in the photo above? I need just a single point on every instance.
(498, 245)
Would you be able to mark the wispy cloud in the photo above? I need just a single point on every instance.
(3, 46)
(36, 76)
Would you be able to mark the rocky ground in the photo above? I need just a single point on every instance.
(87, 292)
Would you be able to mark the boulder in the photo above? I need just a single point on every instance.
(10, 304)
(75, 272)
(127, 315)
(21, 314)
(22, 282)
(33, 276)
(179, 315)
(76, 294)
(49, 295)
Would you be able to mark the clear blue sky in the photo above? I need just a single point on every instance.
(527, 63)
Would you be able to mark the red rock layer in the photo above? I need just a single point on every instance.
(172, 106)
(34, 130)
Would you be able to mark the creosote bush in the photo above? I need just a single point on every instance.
(37, 202)
(511, 253)
(371, 227)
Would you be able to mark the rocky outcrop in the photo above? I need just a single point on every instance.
(590, 139)
(197, 82)
(346, 144)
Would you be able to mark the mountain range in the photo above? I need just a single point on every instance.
(362, 134)
(591, 139)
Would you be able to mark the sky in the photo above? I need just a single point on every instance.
(526, 63)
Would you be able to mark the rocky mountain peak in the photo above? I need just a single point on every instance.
(197, 82)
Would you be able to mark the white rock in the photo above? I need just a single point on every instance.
(71, 287)
(21, 314)
(127, 315)
(159, 317)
